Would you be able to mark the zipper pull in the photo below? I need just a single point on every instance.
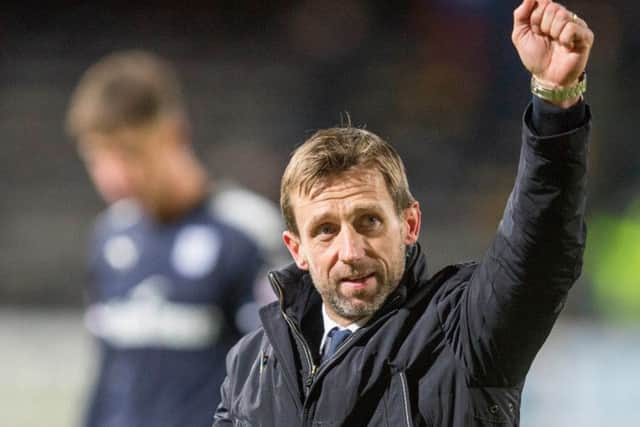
(309, 381)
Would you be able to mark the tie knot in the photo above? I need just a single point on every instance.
(335, 337)
(337, 334)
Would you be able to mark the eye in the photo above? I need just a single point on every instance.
(325, 230)
(370, 222)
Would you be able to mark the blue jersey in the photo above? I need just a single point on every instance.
(166, 303)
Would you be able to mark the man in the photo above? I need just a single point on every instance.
(360, 335)
(171, 280)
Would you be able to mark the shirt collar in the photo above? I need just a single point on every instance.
(329, 324)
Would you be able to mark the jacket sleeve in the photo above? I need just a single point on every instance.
(240, 360)
(509, 305)
(222, 417)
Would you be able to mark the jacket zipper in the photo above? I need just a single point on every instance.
(308, 382)
(297, 334)
(405, 398)
(307, 351)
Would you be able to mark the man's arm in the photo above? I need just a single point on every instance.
(516, 293)
(221, 417)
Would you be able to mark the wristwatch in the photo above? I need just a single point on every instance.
(559, 93)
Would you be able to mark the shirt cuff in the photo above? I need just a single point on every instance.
(548, 119)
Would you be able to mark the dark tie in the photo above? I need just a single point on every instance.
(335, 337)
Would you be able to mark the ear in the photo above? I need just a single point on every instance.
(295, 249)
(412, 217)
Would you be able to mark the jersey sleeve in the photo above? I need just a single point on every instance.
(246, 264)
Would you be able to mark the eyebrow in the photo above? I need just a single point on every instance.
(369, 207)
(357, 211)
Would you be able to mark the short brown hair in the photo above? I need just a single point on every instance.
(124, 89)
(333, 151)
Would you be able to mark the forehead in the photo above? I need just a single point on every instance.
(352, 189)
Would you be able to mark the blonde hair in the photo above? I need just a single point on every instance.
(124, 89)
(333, 151)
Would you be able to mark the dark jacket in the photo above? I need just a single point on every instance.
(450, 350)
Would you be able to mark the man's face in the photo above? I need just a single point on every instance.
(352, 241)
(109, 169)
(122, 164)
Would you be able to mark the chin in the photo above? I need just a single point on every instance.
(354, 310)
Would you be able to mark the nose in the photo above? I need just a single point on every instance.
(352, 246)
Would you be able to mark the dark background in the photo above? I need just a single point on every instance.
(439, 79)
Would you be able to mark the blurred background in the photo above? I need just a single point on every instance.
(437, 78)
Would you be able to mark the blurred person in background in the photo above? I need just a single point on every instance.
(175, 258)
(361, 335)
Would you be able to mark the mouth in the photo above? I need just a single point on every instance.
(359, 282)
